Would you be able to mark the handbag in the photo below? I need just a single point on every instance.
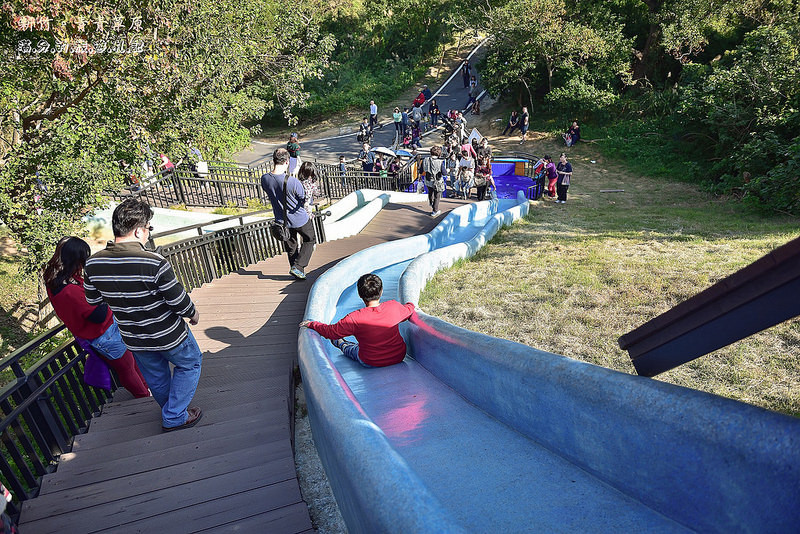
(280, 231)
(95, 369)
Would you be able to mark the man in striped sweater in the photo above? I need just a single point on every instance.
(149, 304)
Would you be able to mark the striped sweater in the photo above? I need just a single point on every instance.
(141, 289)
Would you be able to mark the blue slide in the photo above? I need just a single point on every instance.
(472, 433)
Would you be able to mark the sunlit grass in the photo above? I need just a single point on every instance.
(572, 278)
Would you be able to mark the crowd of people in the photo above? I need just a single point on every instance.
(423, 114)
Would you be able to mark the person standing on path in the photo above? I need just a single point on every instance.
(416, 115)
(473, 93)
(149, 305)
(433, 113)
(432, 167)
(287, 196)
(367, 158)
(466, 173)
(373, 114)
(466, 72)
(483, 174)
(524, 122)
(552, 175)
(564, 170)
(293, 147)
(404, 121)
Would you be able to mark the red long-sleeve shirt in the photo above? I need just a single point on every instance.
(379, 340)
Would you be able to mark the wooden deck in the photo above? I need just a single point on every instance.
(235, 470)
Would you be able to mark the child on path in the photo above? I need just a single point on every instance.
(378, 340)
(343, 170)
(552, 175)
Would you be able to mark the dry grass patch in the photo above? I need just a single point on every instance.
(571, 279)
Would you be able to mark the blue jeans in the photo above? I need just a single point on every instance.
(350, 349)
(110, 343)
(174, 390)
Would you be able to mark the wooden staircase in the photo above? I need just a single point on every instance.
(234, 471)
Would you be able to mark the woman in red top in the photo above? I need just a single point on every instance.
(63, 276)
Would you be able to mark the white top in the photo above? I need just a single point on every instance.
(373, 109)
(466, 167)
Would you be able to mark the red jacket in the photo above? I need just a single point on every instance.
(379, 340)
(81, 318)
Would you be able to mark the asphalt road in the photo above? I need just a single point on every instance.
(327, 148)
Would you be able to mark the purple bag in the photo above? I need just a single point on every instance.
(95, 370)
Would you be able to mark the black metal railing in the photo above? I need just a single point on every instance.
(220, 186)
(212, 254)
(43, 408)
(536, 190)
(226, 184)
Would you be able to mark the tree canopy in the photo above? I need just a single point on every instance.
(86, 86)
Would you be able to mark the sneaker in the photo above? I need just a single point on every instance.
(435, 213)
(338, 343)
(297, 273)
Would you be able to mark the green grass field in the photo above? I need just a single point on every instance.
(571, 279)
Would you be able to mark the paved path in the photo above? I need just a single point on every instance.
(451, 95)
(234, 471)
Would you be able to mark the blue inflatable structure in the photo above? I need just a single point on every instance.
(472, 433)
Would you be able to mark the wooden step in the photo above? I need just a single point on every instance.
(73, 475)
(185, 437)
(217, 405)
(128, 499)
(232, 513)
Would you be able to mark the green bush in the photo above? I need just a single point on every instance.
(779, 187)
(228, 209)
(579, 97)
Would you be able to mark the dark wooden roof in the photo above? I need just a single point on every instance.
(235, 469)
(763, 294)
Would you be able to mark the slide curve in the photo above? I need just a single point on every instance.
(472, 433)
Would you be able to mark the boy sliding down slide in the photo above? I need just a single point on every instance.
(379, 343)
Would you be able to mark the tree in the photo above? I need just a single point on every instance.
(537, 37)
(86, 85)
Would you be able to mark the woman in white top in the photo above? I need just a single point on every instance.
(466, 173)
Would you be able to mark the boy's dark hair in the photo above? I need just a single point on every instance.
(370, 287)
(280, 156)
(130, 215)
